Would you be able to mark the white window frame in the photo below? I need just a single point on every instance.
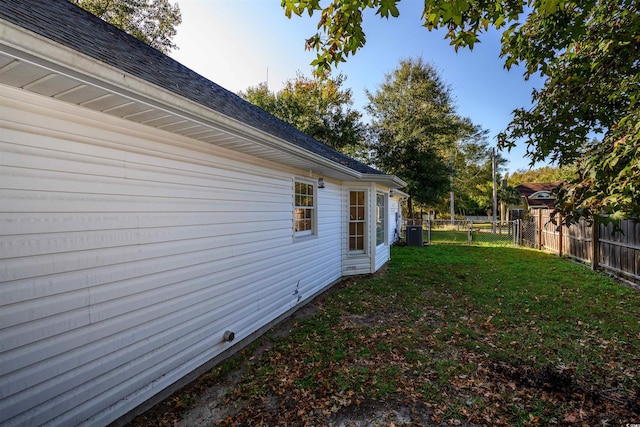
(381, 210)
(300, 203)
(354, 219)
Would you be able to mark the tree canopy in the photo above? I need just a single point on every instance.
(588, 55)
(415, 127)
(542, 174)
(321, 108)
(153, 22)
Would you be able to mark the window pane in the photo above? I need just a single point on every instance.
(304, 209)
(357, 218)
(352, 244)
(380, 218)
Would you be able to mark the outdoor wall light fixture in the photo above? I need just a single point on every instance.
(320, 182)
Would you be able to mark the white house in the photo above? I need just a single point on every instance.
(151, 222)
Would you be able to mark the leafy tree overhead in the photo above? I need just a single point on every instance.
(588, 55)
(261, 96)
(153, 22)
(416, 126)
(321, 108)
(340, 33)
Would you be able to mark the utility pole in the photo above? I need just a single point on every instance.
(451, 201)
(495, 191)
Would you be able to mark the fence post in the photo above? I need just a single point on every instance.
(520, 227)
(560, 236)
(469, 234)
(539, 229)
(595, 244)
(429, 231)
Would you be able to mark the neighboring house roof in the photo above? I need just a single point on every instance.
(72, 27)
(538, 195)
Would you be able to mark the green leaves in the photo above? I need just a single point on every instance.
(587, 52)
(153, 22)
(340, 32)
(388, 7)
(297, 7)
(415, 126)
(319, 107)
(586, 112)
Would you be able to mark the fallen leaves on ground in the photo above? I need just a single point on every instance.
(426, 354)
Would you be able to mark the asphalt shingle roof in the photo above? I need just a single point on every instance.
(73, 27)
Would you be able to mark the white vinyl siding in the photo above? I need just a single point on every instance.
(126, 252)
(356, 262)
(374, 255)
(395, 218)
(382, 250)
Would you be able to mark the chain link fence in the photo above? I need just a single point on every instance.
(528, 232)
(507, 233)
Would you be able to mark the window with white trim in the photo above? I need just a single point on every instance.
(357, 221)
(304, 212)
(381, 218)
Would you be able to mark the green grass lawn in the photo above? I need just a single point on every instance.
(456, 334)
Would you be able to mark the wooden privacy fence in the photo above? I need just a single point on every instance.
(597, 244)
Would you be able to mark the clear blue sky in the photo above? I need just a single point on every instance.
(241, 43)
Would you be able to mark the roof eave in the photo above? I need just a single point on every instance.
(70, 62)
(390, 181)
